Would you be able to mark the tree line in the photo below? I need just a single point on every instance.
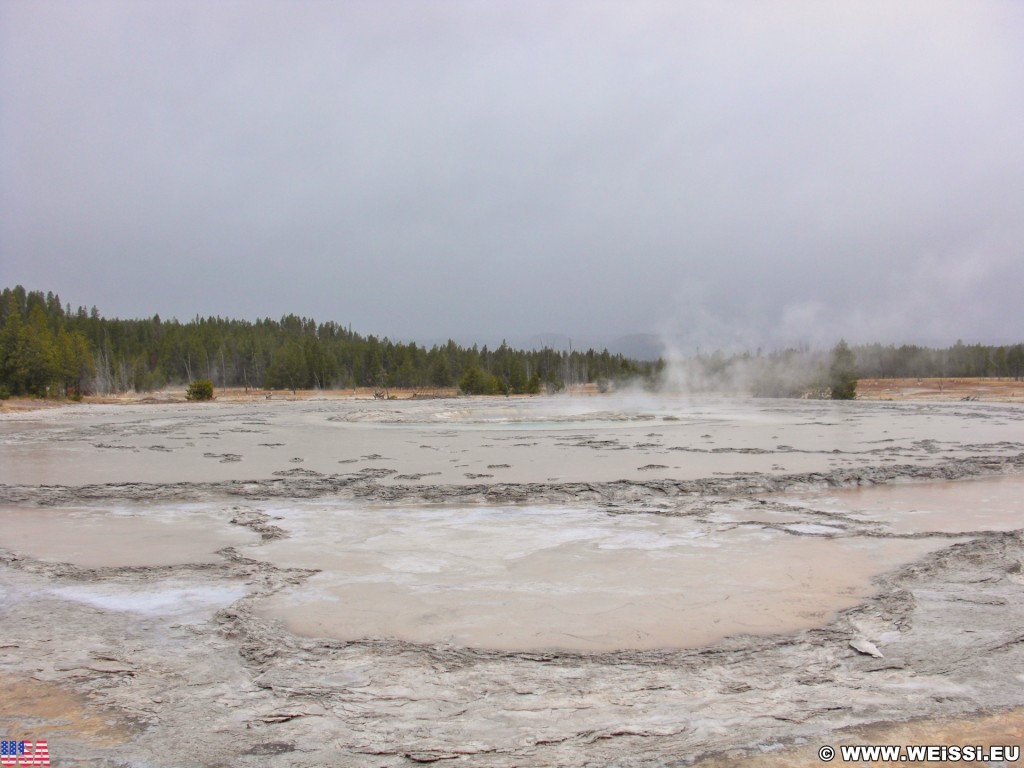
(875, 361)
(46, 348)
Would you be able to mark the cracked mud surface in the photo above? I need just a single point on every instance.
(119, 654)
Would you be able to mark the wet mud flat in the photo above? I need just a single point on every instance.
(282, 612)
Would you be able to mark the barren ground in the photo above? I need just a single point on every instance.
(649, 581)
(945, 389)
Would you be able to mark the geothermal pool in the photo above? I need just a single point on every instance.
(573, 581)
(992, 504)
(534, 578)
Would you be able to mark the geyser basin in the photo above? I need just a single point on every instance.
(492, 440)
(528, 578)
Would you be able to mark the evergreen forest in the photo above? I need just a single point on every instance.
(47, 348)
(50, 349)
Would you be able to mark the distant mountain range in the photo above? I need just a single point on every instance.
(636, 346)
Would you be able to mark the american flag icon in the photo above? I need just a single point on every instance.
(24, 753)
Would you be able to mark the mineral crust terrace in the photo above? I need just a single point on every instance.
(122, 664)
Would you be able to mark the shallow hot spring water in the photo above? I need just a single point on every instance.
(984, 504)
(527, 577)
(540, 577)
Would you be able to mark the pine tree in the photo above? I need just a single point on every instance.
(843, 372)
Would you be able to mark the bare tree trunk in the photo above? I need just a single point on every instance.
(104, 378)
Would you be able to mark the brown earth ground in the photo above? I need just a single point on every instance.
(997, 390)
(1000, 390)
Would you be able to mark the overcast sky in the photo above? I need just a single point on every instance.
(719, 173)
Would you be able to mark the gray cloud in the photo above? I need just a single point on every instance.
(727, 173)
